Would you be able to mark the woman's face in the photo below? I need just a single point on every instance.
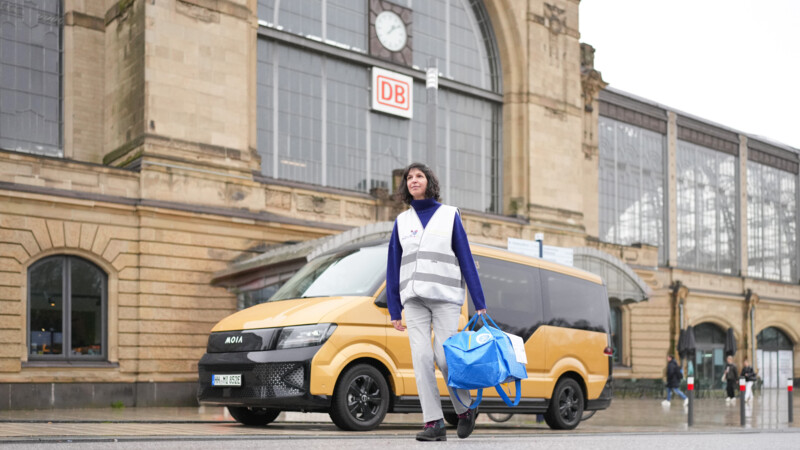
(416, 184)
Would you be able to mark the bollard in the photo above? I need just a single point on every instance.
(742, 385)
(789, 391)
(690, 391)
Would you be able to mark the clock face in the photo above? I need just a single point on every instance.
(391, 31)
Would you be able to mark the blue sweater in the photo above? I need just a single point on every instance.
(425, 209)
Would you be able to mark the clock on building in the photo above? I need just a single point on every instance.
(390, 32)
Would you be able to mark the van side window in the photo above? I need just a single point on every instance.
(513, 296)
(574, 303)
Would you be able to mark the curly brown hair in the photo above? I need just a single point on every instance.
(431, 191)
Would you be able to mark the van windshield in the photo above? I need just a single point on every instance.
(356, 272)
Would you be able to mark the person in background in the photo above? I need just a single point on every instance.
(674, 376)
(749, 377)
(429, 263)
(731, 377)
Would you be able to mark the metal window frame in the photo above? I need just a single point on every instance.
(66, 316)
(324, 50)
(60, 102)
(695, 265)
(759, 273)
(663, 238)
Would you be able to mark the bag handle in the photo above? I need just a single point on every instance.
(474, 320)
(471, 322)
(505, 397)
(477, 401)
(491, 321)
(474, 403)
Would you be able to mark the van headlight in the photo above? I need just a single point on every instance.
(304, 335)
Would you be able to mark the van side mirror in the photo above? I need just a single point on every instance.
(381, 301)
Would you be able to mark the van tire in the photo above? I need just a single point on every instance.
(254, 417)
(566, 405)
(361, 399)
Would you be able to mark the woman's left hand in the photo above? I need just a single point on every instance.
(480, 311)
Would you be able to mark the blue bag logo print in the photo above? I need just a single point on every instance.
(483, 338)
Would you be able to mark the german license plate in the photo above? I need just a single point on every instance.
(226, 380)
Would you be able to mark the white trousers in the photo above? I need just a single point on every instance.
(748, 390)
(442, 318)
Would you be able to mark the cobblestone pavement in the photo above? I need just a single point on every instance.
(766, 412)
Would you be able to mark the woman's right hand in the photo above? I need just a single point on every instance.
(398, 325)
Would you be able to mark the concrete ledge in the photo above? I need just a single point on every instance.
(95, 395)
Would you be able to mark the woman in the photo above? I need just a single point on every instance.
(674, 376)
(429, 262)
(731, 377)
(749, 376)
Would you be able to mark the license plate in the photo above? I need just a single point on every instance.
(226, 380)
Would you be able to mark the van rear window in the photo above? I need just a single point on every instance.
(355, 272)
(574, 303)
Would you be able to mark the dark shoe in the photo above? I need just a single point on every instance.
(466, 423)
(433, 431)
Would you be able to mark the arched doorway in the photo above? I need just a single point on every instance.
(710, 355)
(774, 357)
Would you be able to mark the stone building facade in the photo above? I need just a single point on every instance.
(148, 147)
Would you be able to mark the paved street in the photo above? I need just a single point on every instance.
(616, 441)
(629, 423)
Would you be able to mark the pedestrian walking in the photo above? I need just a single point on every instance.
(429, 263)
(749, 377)
(731, 378)
(674, 377)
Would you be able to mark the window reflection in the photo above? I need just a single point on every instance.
(46, 306)
(771, 223)
(86, 310)
(706, 182)
(66, 309)
(631, 185)
(30, 76)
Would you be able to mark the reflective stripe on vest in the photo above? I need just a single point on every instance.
(429, 269)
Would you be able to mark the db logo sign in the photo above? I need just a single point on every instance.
(392, 93)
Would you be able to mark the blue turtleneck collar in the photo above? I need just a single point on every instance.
(425, 209)
(422, 205)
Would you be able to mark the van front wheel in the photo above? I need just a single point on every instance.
(566, 405)
(360, 400)
(255, 417)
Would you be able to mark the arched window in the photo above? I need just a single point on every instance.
(616, 332)
(315, 122)
(774, 357)
(66, 310)
(710, 355)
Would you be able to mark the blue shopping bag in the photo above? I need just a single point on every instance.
(483, 359)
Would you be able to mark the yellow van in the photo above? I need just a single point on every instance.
(325, 343)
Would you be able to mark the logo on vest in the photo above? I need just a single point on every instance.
(411, 234)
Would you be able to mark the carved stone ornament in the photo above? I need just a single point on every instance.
(556, 18)
(591, 80)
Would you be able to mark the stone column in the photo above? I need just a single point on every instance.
(591, 83)
(742, 210)
(672, 189)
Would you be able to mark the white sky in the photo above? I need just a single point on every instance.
(733, 62)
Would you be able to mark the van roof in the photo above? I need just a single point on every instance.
(500, 253)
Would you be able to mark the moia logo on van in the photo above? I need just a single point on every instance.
(233, 340)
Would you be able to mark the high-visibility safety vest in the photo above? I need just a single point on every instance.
(429, 269)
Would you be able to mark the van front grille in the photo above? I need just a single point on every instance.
(259, 381)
